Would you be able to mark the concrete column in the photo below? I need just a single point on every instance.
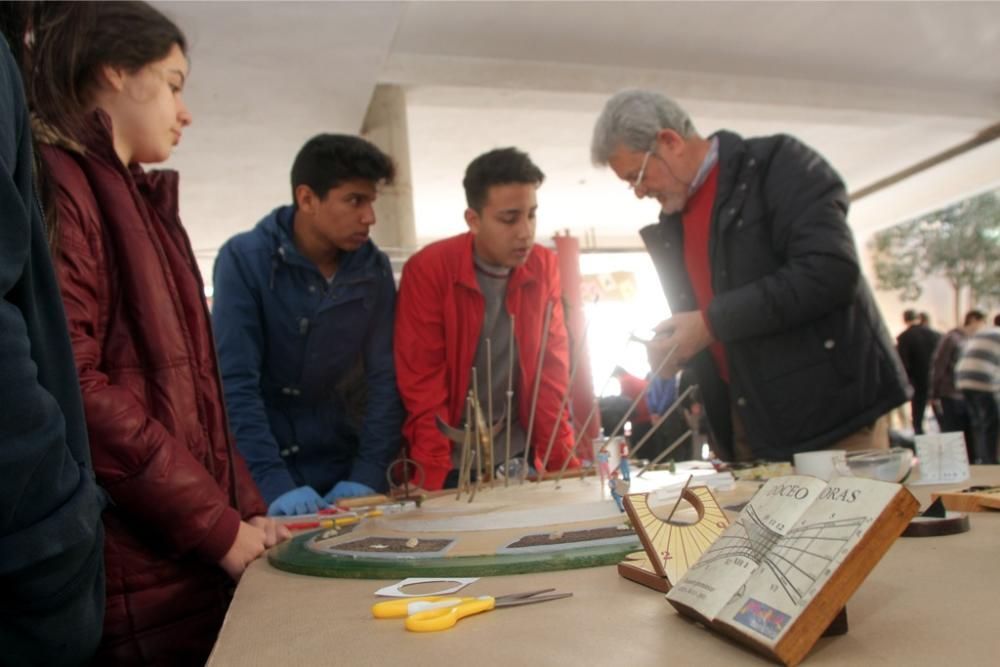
(385, 126)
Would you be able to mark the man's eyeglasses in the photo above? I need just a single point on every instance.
(642, 170)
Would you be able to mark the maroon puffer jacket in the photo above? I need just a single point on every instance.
(155, 413)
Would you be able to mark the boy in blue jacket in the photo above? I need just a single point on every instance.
(303, 317)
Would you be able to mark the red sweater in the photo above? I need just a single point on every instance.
(697, 221)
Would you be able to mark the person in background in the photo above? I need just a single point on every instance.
(458, 293)
(945, 399)
(916, 348)
(51, 539)
(977, 376)
(303, 319)
(613, 408)
(106, 86)
(661, 395)
(770, 311)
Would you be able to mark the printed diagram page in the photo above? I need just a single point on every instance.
(795, 568)
(742, 547)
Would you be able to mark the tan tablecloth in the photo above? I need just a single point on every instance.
(930, 601)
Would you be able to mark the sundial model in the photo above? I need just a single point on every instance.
(527, 527)
(672, 546)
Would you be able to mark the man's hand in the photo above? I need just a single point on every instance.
(250, 543)
(347, 489)
(274, 532)
(686, 331)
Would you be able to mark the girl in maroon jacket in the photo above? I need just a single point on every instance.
(185, 518)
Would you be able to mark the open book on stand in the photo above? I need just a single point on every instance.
(777, 577)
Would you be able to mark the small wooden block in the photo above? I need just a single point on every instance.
(641, 572)
(974, 499)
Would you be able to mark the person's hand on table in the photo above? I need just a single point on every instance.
(303, 500)
(274, 532)
(249, 544)
(348, 489)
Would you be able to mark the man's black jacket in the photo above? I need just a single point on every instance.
(810, 360)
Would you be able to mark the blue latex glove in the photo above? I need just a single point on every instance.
(303, 500)
(346, 489)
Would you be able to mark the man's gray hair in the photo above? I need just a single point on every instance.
(631, 118)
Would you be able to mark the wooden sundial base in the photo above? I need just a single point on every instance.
(636, 567)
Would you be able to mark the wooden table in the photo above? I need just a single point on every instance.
(930, 601)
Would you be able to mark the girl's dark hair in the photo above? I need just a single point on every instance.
(61, 47)
(71, 41)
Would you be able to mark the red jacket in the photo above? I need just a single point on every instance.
(438, 319)
(155, 413)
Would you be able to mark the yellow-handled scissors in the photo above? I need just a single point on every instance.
(434, 613)
(409, 606)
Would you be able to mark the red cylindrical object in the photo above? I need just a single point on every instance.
(582, 391)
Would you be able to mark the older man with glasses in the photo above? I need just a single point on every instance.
(770, 310)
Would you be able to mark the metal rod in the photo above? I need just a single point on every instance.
(662, 419)
(534, 391)
(477, 417)
(583, 432)
(465, 452)
(574, 367)
(510, 400)
(662, 455)
(642, 395)
(678, 501)
(474, 487)
(470, 420)
(489, 405)
(593, 410)
(473, 453)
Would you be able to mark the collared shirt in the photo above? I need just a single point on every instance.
(711, 159)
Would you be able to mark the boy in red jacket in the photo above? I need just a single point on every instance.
(459, 293)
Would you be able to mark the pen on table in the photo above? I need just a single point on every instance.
(332, 523)
(323, 523)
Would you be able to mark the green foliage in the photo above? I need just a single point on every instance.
(960, 243)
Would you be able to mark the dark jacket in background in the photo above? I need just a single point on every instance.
(307, 365)
(155, 414)
(916, 350)
(51, 567)
(810, 360)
